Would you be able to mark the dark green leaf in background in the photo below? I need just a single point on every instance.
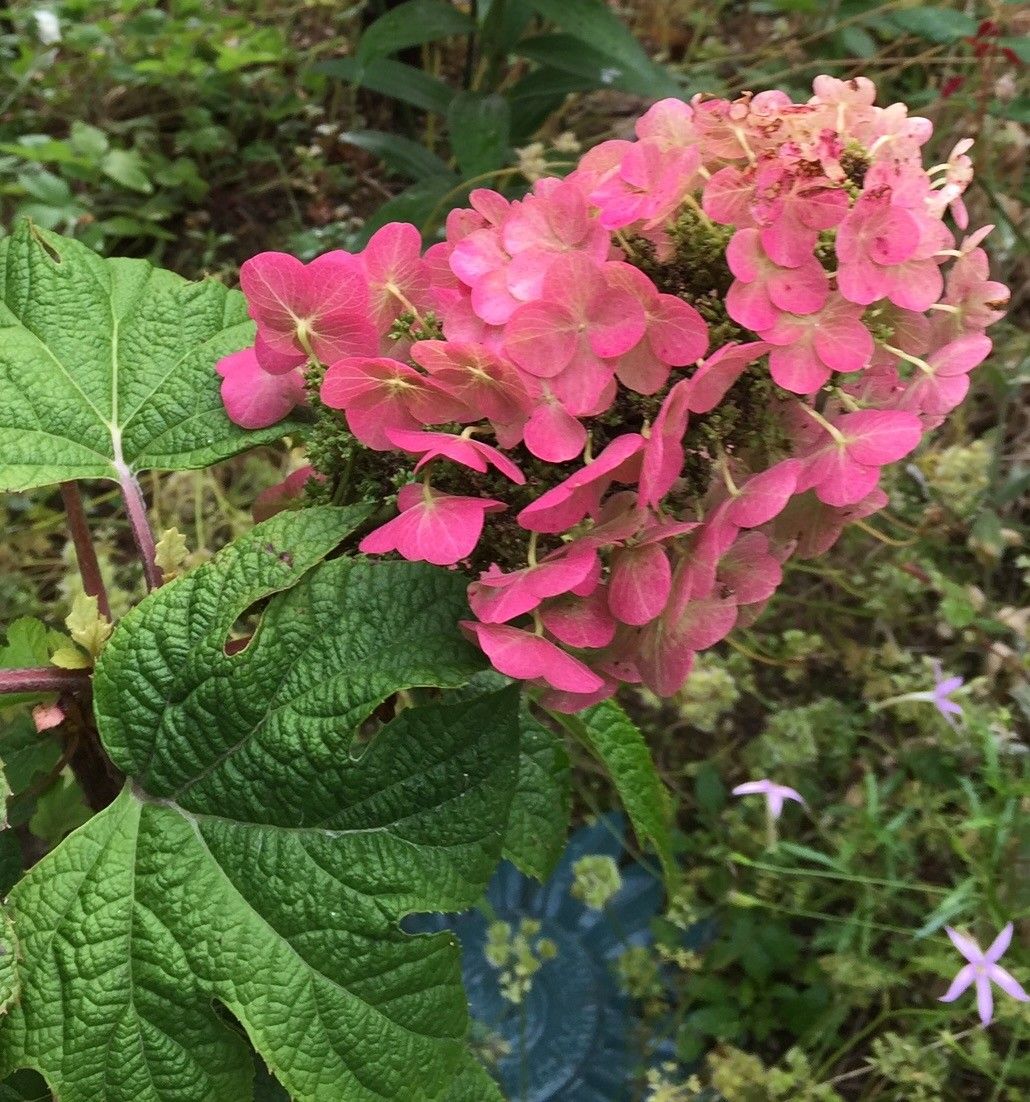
(411, 24)
(402, 155)
(594, 23)
(393, 79)
(480, 129)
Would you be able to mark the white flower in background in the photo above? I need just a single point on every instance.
(48, 26)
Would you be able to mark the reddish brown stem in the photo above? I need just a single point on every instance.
(43, 679)
(85, 552)
(136, 507)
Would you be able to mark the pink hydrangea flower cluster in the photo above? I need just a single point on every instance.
(530, 342)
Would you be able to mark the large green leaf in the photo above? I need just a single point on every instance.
(611, 736)
(472, 1084)
(109, 364)
(542, 804)
(253, 858)
(10, 981)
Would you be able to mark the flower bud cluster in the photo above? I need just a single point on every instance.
(544, 369)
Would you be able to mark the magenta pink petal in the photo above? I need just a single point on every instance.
(254, 399)
(541, 337)
(553, 434)
(676, 331)
(526, 657)
(711, 381)
(581, 622)
(640, 583)
(764, 495)
(441, 529)
(876, 437)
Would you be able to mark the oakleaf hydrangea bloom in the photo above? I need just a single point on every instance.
(774, 794)
(982, 970)
(625, 399)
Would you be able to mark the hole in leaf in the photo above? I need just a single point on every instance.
(51, 252)
(244, 629)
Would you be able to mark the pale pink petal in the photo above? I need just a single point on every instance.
(676, 331)
(744, 255)
(801, 290)
(961, 356)
(797, 368)
(843, 342)
(616, 323)
(876, 437)
(861, 281)
(663, 452)
(748, 304)
(541, 337)
(728, 195)
(641, 370)
(764, 495)
(839, 480)
(916, 285)
(711, 381)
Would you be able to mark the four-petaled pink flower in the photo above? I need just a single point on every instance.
(321, 307)
(441, 529)
(982, 970)
(763, 289)
(774, 794)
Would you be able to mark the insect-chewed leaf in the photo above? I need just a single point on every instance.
(252, 859)
(108, 364)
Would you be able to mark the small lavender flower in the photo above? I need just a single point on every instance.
(774, 794)
(983, 969)
(942, 690)
(939, 696)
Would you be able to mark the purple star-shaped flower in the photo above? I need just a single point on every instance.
(774, 794)
(941, 693)
(983, 969)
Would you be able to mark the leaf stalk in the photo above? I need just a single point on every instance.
(85, 551)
